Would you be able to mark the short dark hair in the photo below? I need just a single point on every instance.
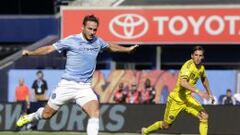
(196, 48)
(39, 72)
(90, 18)
(229, 90)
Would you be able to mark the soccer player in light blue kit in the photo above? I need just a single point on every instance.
(81, 50)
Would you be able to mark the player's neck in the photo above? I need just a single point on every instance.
(198, 65)
(85, 37)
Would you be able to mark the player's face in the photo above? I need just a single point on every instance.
(197, 57)
(90, 30)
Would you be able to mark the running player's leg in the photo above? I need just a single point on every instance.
(42, 113)
(87, 99)
(59, 97)
(92, 109)
(196, 109)
(172, 110)
(203, 125)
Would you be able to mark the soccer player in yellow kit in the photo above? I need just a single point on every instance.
(181, 99)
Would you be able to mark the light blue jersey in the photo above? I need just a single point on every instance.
(81, 56)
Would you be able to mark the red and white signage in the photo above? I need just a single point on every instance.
(160, 25)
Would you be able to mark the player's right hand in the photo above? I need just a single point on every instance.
(25, 52)
(212, 99)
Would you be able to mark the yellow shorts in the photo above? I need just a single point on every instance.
(173, 108)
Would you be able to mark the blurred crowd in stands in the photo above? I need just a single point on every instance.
(132, 95)
(39, 88)
(23, 94)
(125, 93)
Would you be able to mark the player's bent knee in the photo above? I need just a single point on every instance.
(92, 109)
(94, 113)
(203, 116)
(165, 125)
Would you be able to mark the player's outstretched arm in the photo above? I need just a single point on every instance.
(40, 51)
(117, 48)
(186, 85)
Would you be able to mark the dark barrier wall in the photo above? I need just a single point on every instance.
(127, 118)
(27, 28)
(28, 7)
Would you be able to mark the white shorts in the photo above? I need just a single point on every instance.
(70, 90)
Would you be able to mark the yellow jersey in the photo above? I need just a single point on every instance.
(191, 73)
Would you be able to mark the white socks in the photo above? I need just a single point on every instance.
(36, 115)
(92, 126)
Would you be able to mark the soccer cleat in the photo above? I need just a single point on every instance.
(142, 131)
(23, 120)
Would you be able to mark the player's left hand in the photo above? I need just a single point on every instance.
(25, 52)
(132, 48)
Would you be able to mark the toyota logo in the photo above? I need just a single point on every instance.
(128, 26)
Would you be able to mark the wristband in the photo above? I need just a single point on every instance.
(197, 91)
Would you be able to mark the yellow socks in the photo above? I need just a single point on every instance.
(155, 126)
(203, 127)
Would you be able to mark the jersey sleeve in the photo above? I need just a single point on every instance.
(184, 72)
(63, 44)
(103, 44)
